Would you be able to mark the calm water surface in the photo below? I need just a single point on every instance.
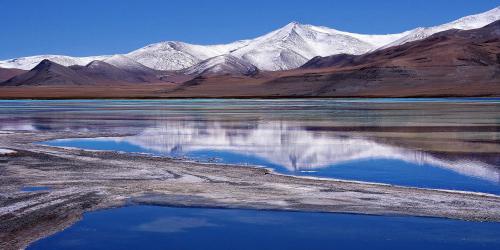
(435, 143)
(149, 227)
(439, 143)
(34, 188)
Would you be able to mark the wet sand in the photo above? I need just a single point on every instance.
(82, 181)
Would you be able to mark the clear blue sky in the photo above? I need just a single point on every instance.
(91, 27)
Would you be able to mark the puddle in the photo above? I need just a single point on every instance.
(34, 188)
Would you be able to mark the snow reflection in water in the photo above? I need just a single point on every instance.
(290, 148)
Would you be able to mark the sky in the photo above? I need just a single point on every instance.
(96, 27)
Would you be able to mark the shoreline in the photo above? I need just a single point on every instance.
(83, 181)
(269, 169)
(246, 97)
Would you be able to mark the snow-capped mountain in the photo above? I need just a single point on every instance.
(125, 63)
(464, 23)
(179, 55)
(222, 65)
(295, 44)
(286, 48)
(30, 62)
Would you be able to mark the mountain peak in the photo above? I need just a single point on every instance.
(292, 26)
(285, 48)
(222, 65)
(96, 63)
(45, 64)
(465, 23)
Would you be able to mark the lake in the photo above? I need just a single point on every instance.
(431, 143)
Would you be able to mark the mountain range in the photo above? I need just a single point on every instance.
(286, 48)
(296, 60)
(449, 63)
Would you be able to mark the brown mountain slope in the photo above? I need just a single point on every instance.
(101, 72)
(48, 73)
(477, 47)
(6, 74)
(450, 63)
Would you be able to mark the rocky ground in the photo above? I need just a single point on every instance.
(82, 181)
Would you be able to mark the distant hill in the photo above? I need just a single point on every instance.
(6, 74)
(96, 72)
(49, 73)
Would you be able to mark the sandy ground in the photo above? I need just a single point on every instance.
(82, 181)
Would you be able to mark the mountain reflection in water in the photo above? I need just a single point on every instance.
(434, 143)
(288, 145)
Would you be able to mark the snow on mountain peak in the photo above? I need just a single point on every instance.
(285, 48)
(222, 65)
(464, 23)
(178, 55)
(474, 21)
(124, 62)
(27, 63)
(294, 44)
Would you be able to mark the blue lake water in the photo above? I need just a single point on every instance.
(438, 143)
(451, 143)
(150, 227)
